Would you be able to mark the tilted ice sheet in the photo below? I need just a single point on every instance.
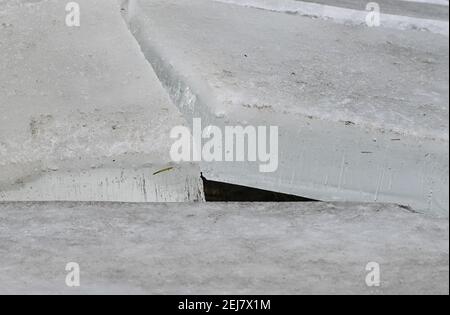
(77, 98)
(363, 113)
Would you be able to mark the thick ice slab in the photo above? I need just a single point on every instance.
(83, 115)
(363, 113)
(221, 248)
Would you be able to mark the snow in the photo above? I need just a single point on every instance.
(209, 248)
(439, 2)
(84, 116)
(346, 15)
(363, 113)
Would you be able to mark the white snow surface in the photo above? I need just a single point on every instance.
(79, 99)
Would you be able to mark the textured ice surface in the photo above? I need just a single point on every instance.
(221, 248)
(80, 99)
(376, 78)
(363, 113)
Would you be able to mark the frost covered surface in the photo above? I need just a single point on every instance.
(363, 113)
(77, 99)
(221, 248)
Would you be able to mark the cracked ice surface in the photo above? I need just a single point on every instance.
(82, 100)
(363, 113)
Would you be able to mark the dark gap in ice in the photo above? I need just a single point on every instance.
(223, 192)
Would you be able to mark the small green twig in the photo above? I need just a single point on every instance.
(163, 170)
